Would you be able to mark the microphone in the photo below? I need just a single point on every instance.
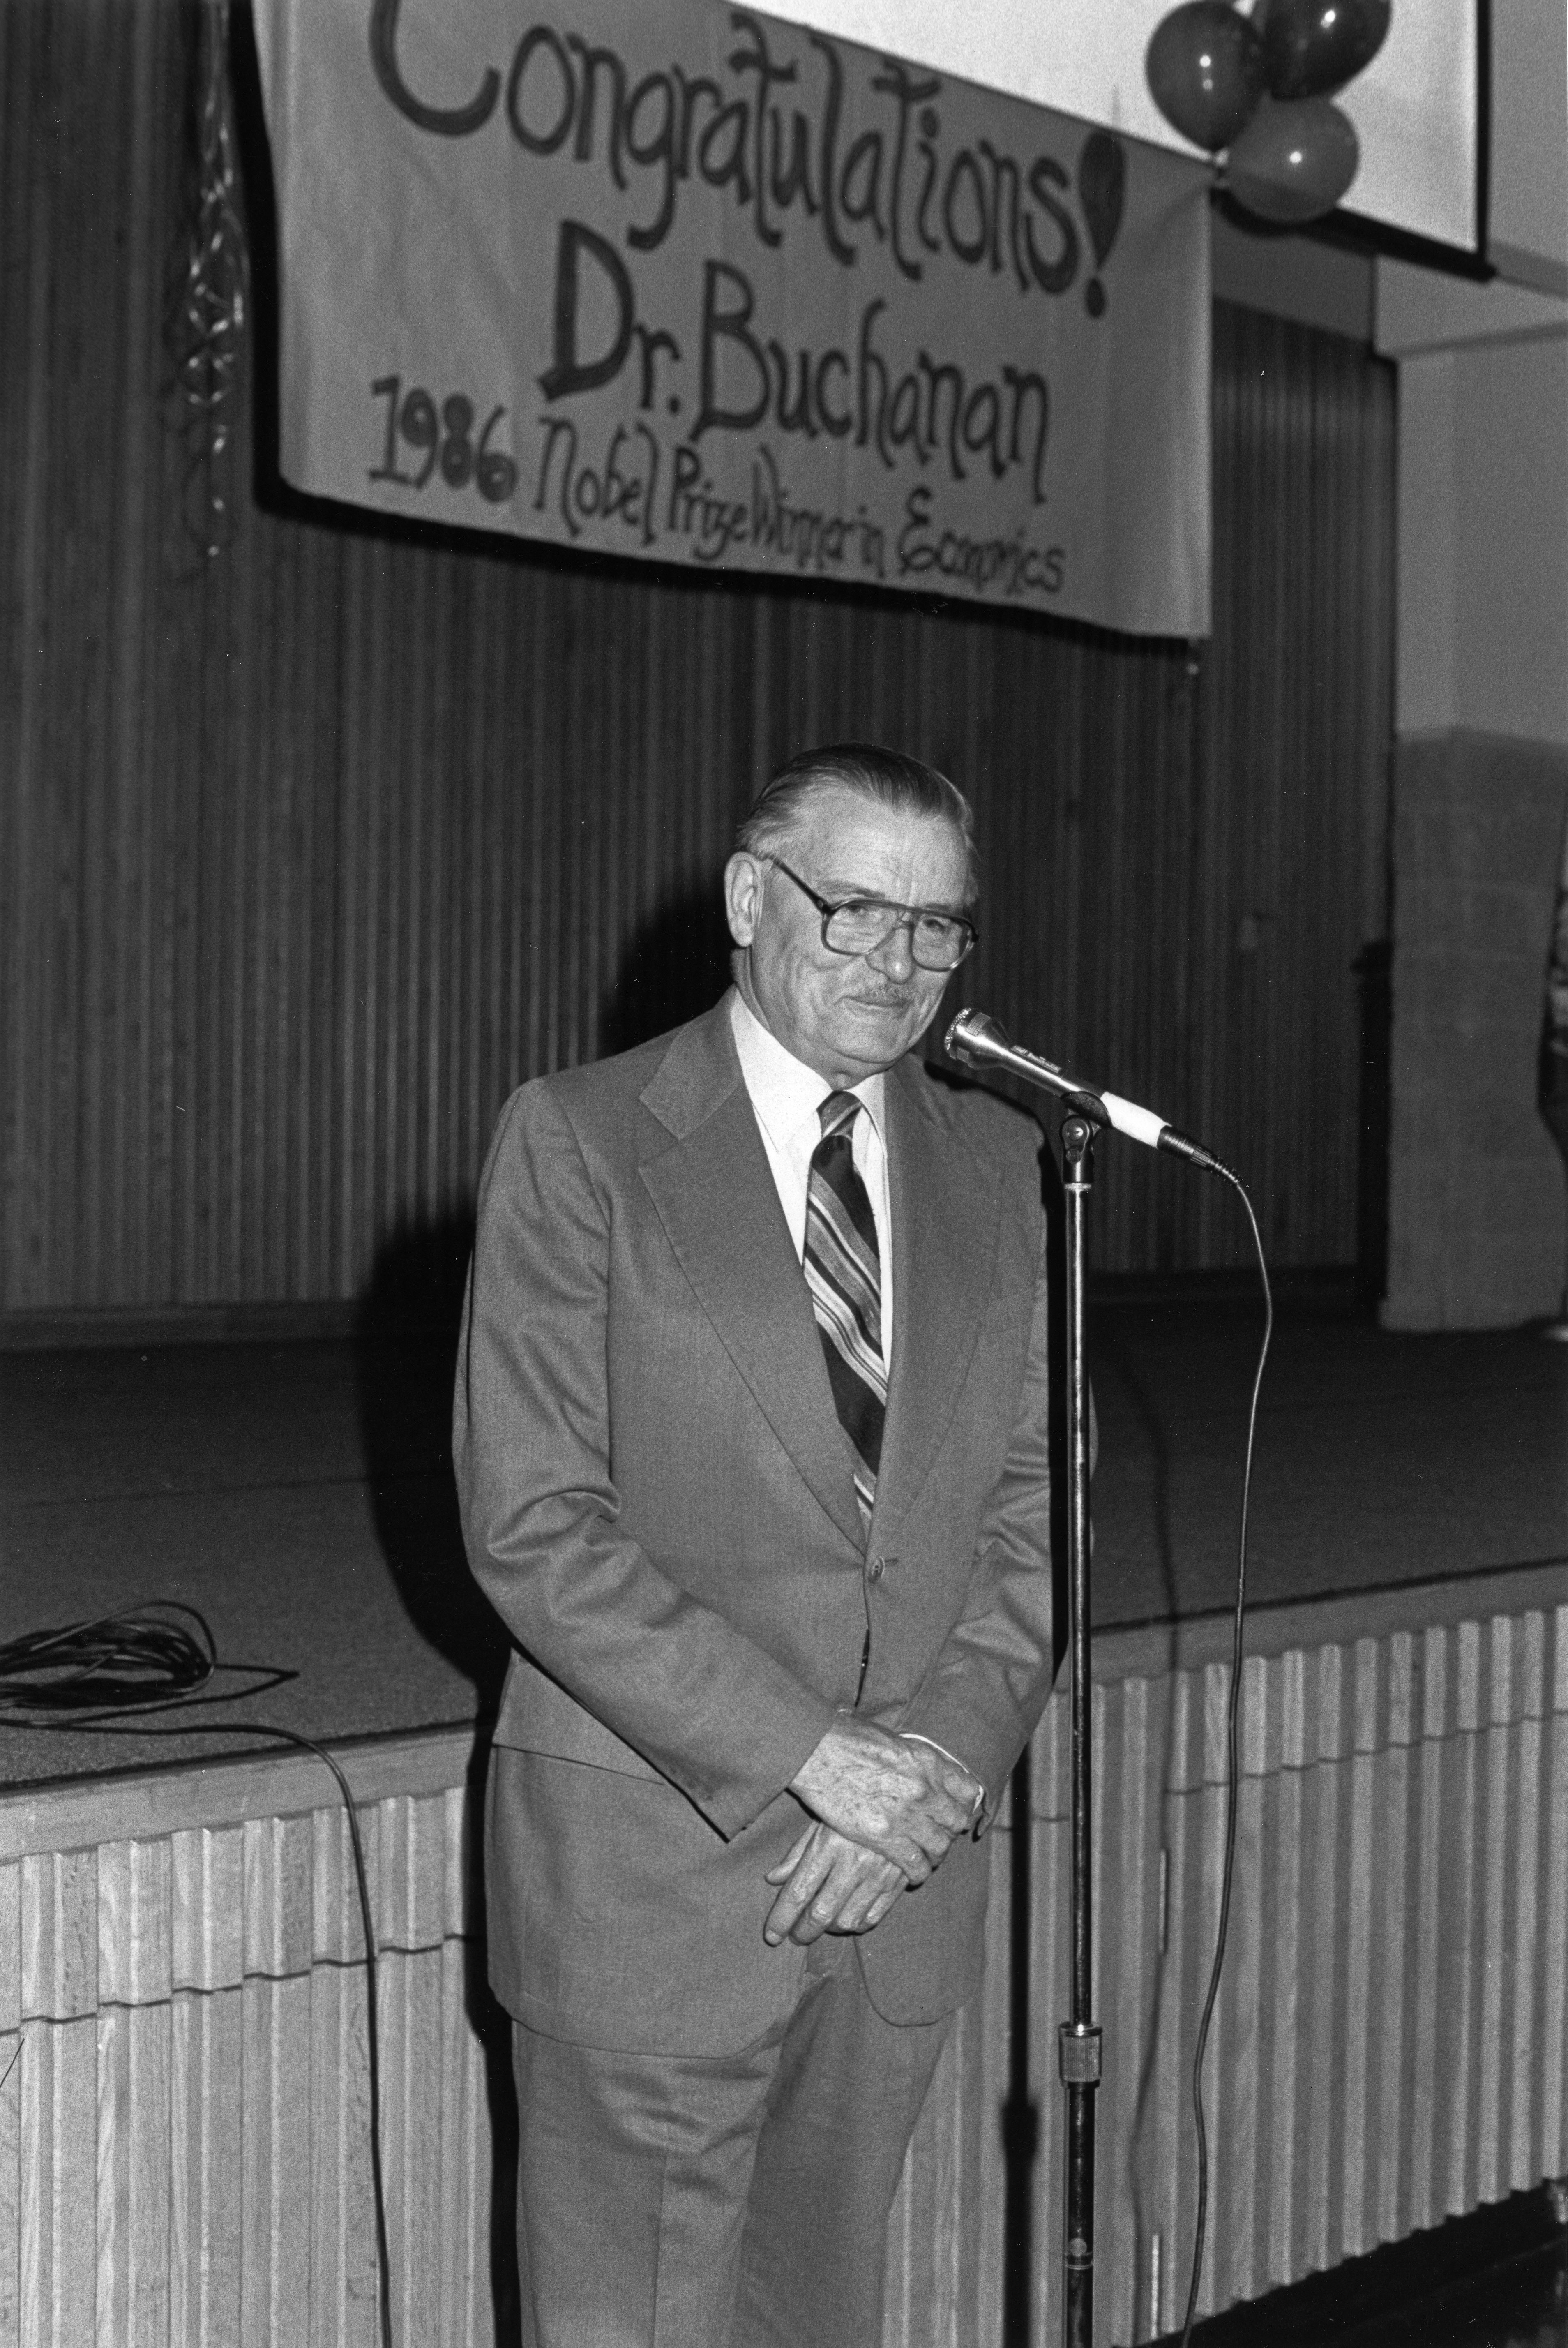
(975, 1041)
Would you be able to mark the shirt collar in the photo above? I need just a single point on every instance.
(784, 1092)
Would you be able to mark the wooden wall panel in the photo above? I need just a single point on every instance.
(309, 852)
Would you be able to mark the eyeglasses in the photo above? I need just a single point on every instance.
(860, 925)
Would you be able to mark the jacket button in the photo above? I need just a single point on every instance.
(877, 1566)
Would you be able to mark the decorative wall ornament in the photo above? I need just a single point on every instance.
(210, 315)
(1260, 85)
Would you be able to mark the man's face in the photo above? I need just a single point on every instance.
(846, 1015)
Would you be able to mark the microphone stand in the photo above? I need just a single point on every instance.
(1079, 2038)
(977, 1042)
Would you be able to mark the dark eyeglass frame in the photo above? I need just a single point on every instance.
(900, 917)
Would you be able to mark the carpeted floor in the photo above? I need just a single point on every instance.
(300, 1495)
(1495, 2278)
(1380, 1458)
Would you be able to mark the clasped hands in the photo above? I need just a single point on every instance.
(886, 1811)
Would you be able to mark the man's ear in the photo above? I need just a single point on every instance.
(742, 896)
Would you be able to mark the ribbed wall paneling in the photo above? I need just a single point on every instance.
(188, 2117)
(1388, 2050)
(1382, 2056)
(309, 852)
(183, 2142)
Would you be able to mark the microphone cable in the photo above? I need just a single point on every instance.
(159, 1656)
(1233, 1772)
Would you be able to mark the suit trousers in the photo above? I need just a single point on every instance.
(723, 2201)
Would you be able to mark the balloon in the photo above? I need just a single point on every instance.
(1293, 160)
(1204, 66)
(1102, 191)
(1313, 47)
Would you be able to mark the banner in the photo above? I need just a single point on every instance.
(674, 281)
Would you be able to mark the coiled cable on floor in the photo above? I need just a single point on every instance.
(1233, 1774)
(145, 1658)
(161, 1656)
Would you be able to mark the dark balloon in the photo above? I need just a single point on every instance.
(1204, 64)
(1102, 189)
(1293, 160)
(1313, 47)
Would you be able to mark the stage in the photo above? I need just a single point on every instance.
(300, 1494)
(183, 2139)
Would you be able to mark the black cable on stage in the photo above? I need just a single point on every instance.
(145, 1658)
(1232, 1775)
(149, 1658)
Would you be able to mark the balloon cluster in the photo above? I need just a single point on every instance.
(1262, 86)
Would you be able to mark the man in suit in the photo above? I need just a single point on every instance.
(751, 1436)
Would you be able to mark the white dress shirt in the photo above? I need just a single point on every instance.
(786, 1096)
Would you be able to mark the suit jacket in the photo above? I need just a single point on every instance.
(658, 1499)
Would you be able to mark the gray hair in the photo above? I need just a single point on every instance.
(890, 777)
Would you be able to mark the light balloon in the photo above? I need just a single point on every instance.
(1293, 160)
(1205, 69)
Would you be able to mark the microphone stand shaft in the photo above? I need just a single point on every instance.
(1078, 2039)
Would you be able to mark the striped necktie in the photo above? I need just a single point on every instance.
(844, 1272)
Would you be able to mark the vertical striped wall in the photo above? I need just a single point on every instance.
(184, 2135)
(307, 853)
(183, 2151)
(1388, 2047)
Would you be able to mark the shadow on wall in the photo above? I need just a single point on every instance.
(405, 1342)
(676, 966)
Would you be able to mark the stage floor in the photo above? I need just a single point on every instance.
(300, 1495)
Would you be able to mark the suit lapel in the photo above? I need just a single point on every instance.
(944, 1202)
(714, 1193)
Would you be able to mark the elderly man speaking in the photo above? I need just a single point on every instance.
(751, 1436)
